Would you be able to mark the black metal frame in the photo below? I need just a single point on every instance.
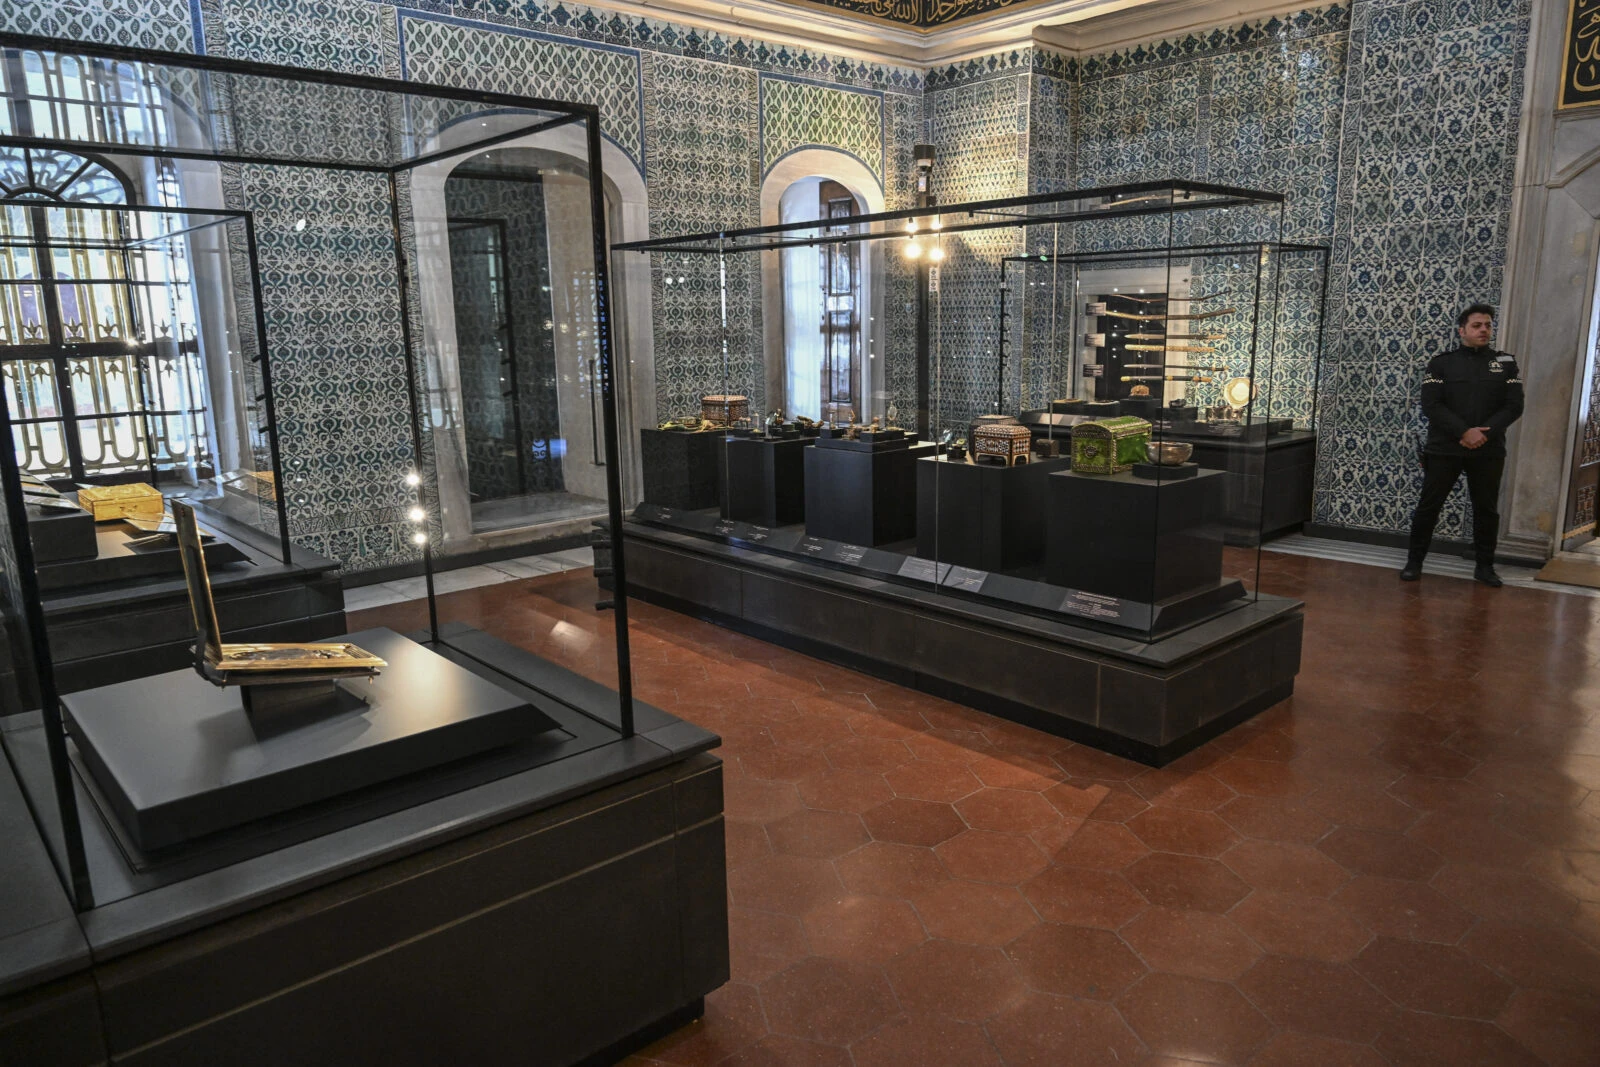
(1130, 200)
(75, 873)
(1228, 196)
(222, 217)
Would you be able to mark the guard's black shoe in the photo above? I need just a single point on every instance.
(1485, 574)
(1411, 572)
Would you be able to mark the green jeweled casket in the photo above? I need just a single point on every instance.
(1109, 446)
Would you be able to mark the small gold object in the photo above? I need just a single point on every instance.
(1139, 390)
(108, 503)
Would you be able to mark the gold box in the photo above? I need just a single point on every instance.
(108, 503)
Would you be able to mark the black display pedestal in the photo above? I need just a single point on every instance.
(178, 758)
(61, 535)
(681, 469)
(1151, 700)
(559, 902)
(863, 497)
(983, 516)
(766, 480)
(1148, 542)
(1269, 484)
(115, 560)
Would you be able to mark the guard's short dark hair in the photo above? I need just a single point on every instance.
(1471, 310)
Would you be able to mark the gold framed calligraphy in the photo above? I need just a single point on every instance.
(1580, 67)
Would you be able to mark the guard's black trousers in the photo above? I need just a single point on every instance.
(1483, 486)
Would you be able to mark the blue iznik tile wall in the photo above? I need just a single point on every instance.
(1391, 125)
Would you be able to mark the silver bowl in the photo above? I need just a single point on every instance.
(1170, 453)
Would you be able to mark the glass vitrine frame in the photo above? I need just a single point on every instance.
(373, 126)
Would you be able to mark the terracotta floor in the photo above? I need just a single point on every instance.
(1397, 866)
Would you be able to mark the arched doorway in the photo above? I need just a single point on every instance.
(504, 258)
(821, 350)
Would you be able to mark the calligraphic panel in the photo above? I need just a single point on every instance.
(1580, 67)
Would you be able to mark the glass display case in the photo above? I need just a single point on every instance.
(302, 309)
(1082, 408)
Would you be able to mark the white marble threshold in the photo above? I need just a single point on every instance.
(1394, 558)
(382, 594)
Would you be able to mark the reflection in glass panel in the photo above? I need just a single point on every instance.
(522, 413)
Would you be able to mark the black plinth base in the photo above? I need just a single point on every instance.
(863, 497)
(681, 469)
(1069, 407)
(1165, 472)
(115, 560)
(61, 535)
(1150, 701)
(273, 708)
(987, 517)
(1137, 540)
(177, 757)
(765, 480)
(1145, 407)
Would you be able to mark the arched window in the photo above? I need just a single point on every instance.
(98, 351)
(49, 174)
(823, 308)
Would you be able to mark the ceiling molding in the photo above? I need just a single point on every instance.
(814, 26)
(1153, 20)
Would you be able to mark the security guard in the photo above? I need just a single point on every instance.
(1470, 395)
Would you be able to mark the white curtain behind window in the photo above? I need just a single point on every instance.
(802, 306)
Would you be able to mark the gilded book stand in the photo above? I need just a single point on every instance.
(272, 678)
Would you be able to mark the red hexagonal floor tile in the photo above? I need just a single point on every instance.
(863, 929)
(985, 856)
(1201, 944)
(1017, 811)
(912, 822)
(1075, 961)
(974, 912)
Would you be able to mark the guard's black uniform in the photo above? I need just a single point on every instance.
(1463, 388)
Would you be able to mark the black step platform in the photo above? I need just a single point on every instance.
(1149, 700)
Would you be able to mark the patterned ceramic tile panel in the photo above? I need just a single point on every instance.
(656, 35)
(452, 52)
(897, 338)
(1420, 231)
(797, 114)
(332, 308)
(704, 148)
(506, 455)
(166, 25)
(981, 127)
(350, 36)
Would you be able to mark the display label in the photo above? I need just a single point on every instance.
(919, 570)
(966, 579)
(851, 554)
(813, 546)
(725, 527)
(1094, 370)
(1098, 308)
(758, 533)
(1095, 340)
(1093, 605)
